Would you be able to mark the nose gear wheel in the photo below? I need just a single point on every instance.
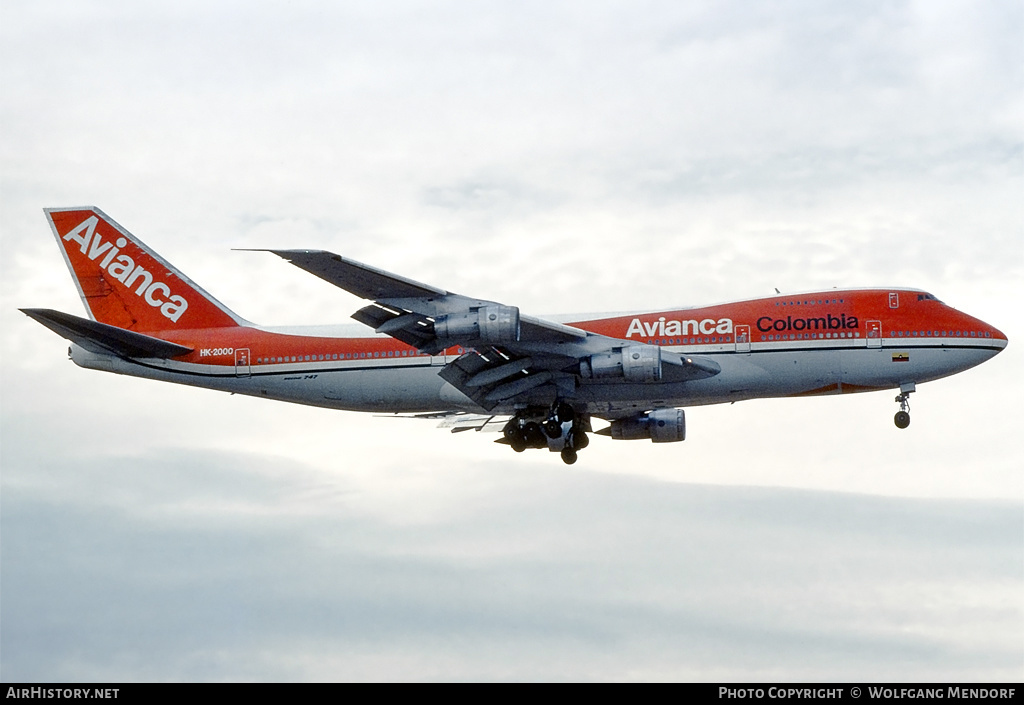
(902, 418)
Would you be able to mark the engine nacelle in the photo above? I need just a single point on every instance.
(635, 363)
(660, 425)
(491, 325)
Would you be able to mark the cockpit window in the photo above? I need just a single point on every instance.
(927, 297)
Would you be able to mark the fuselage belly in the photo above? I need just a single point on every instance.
(410, 387)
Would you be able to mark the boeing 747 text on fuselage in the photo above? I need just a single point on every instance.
(477, 363)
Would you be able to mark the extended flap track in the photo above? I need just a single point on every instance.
(411, 328)
(493, 376)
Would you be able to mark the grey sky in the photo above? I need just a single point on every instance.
(561, 157)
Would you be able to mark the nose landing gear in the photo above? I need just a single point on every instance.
(902, 418)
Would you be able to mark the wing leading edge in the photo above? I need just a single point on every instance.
(512, 356)
(409, 310)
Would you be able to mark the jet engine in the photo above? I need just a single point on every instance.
(660, 425)
(490, 325)
(635, 363)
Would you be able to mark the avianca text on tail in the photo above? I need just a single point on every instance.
(484, 365)
(122, 268)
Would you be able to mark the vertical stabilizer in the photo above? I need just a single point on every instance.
(123, 283)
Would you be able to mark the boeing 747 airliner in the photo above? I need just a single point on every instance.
(477, 364)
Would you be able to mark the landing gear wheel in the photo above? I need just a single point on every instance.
(578, 439)
(515, 436)
(568, 456)
(534, 436)
(902, 418)
(553, 428)
(565, 413)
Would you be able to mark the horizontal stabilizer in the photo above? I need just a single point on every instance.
(102, 338)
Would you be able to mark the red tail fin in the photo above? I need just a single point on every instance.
(125, 284)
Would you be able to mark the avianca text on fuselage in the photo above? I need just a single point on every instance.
(766, 324)
(123, 268)
(662, 327)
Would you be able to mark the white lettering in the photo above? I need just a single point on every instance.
(121, 242)
(152, 300)
(120, 268)
(147, 279)
(123, 269)
(82, 233)
(806, 693)
(688, 327)
(174, 312)
(724, 692)
(96, 250)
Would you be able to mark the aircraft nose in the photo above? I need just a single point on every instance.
(1000, 337)
(997, 336)
(967, 326)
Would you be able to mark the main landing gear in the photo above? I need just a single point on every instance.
(559, 429)
(902, 418)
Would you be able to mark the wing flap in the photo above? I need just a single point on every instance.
(494, 377)
(411, 328)
(459, 421)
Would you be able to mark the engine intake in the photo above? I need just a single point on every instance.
(660, 425)
(490, 325)
(635, 363)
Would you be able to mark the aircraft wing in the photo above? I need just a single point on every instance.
(406, 309)
(511, 357)
(360, 279)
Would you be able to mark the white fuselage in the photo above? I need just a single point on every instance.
(412, 384)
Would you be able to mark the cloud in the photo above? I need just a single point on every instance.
(560, 158)
(149, 565)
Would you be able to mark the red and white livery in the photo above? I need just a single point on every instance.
(479, 363)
